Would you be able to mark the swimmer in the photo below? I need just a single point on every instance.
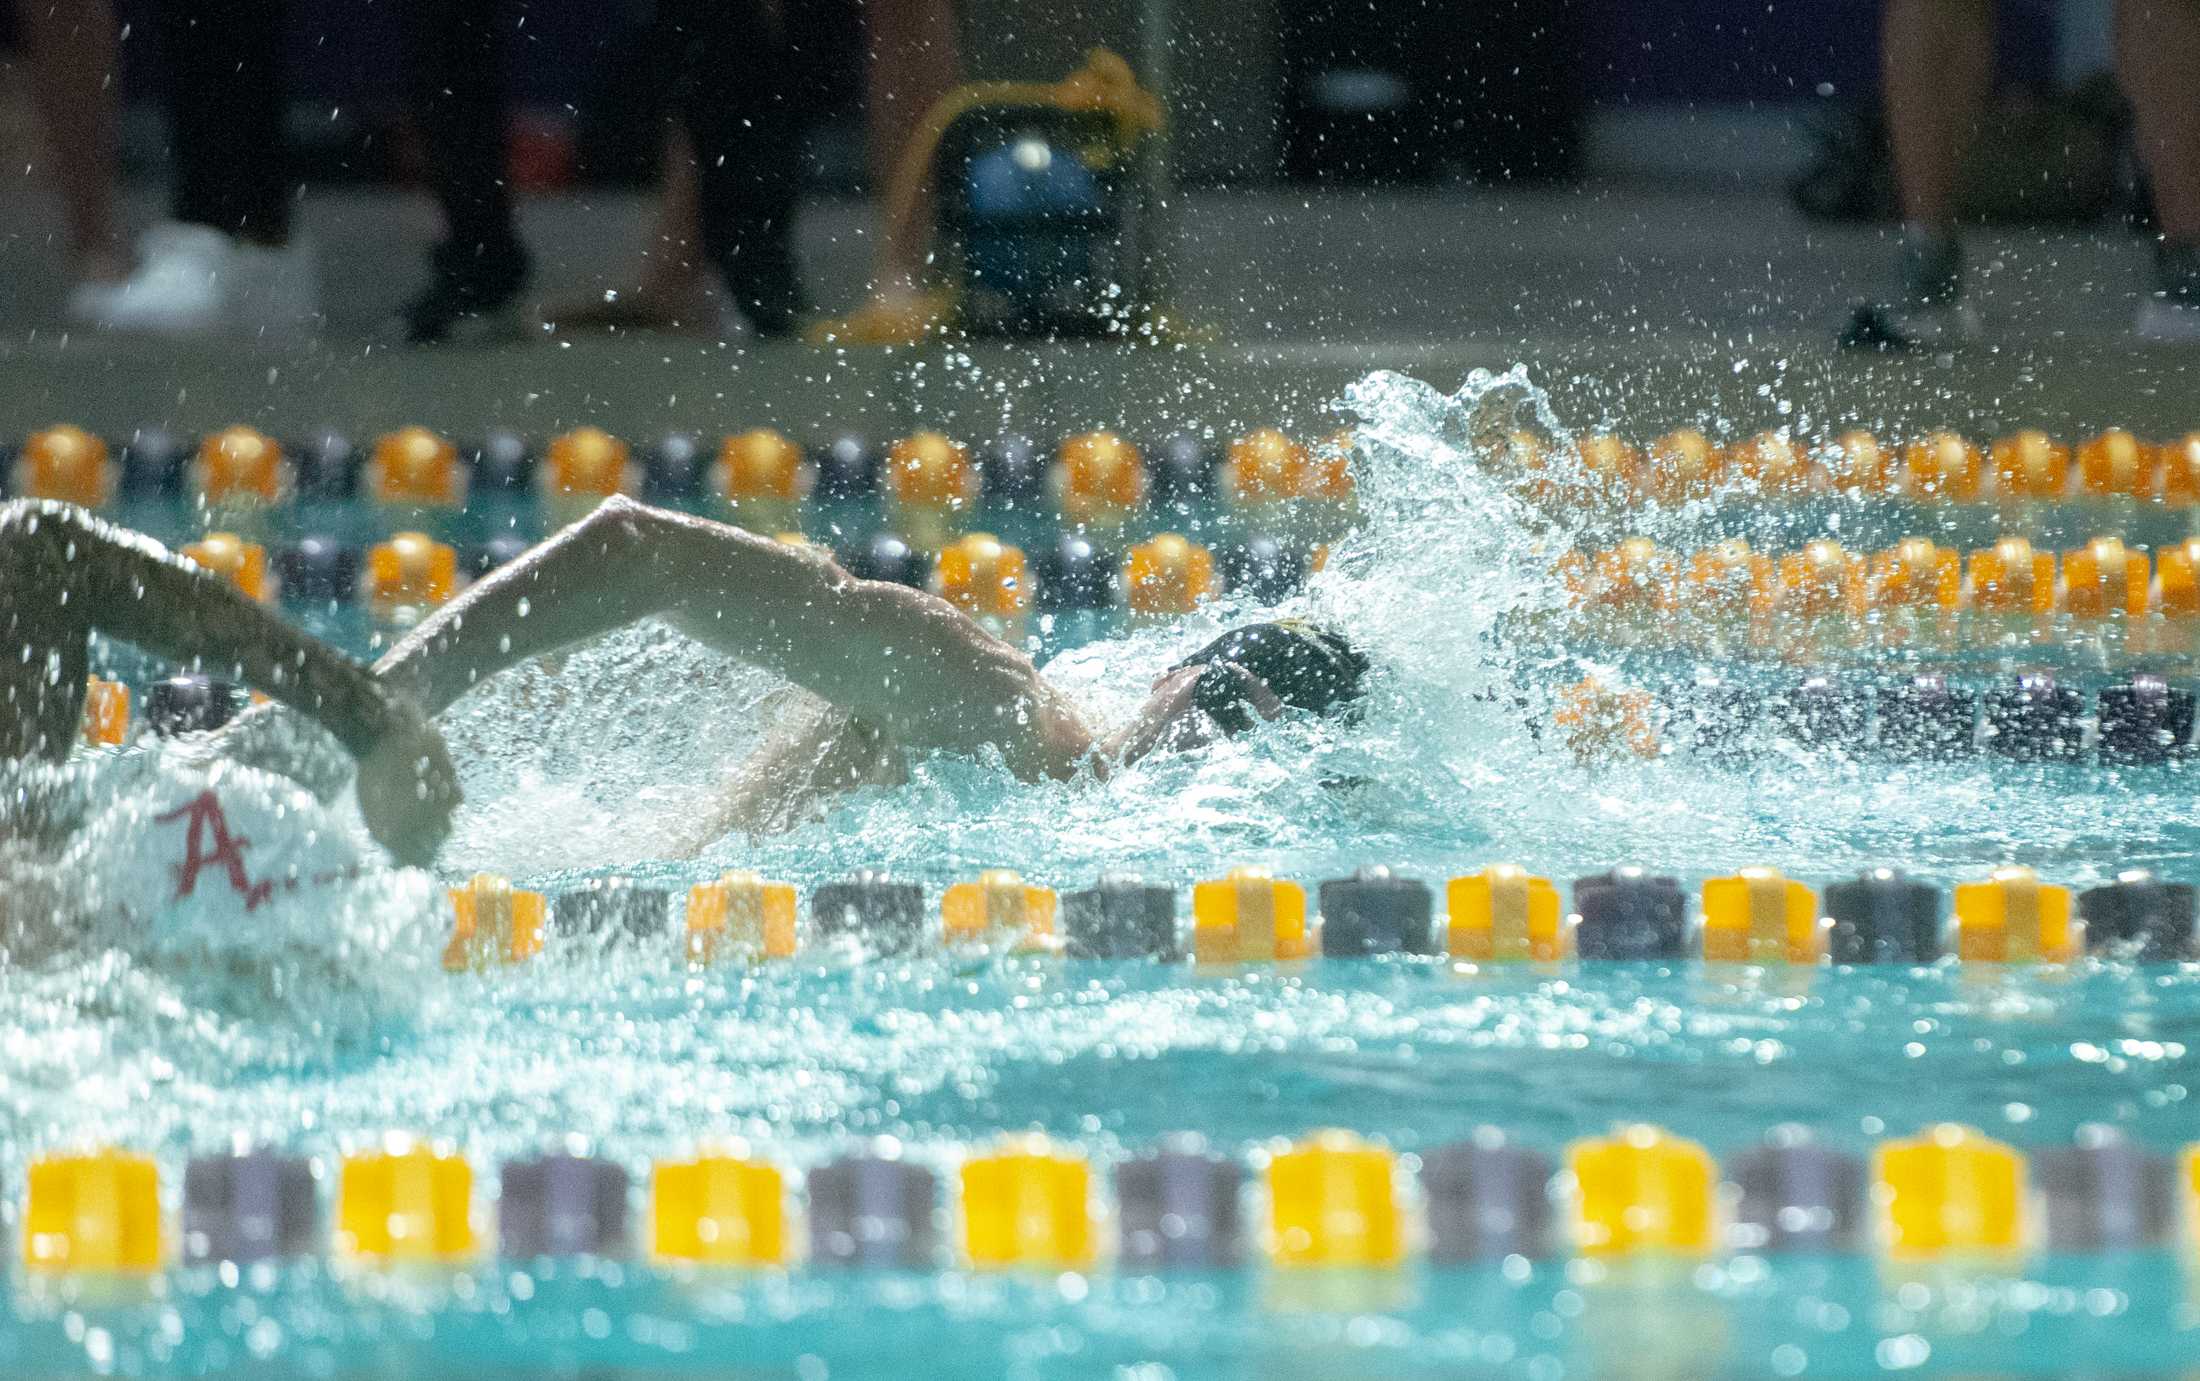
(65, 575)
(896, 668)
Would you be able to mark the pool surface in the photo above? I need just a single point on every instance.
(318, 1019)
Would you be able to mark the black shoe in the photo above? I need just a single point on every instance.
(1932, 314)
(764, 285)
(1896, 327)
(470, 296)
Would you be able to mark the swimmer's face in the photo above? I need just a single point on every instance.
(1180, 718)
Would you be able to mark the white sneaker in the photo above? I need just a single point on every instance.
(2170, 315)
(193, 280)
(274, 291)
(177, 289)
(2169, 321)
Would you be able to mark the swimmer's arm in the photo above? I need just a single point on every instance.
(901, 660)
(820, 754)
(65, 575)
(1171, 718)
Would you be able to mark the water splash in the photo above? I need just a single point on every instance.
(174, 923)
(311, 1019)
(610, 758)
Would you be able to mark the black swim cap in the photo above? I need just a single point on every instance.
(1308, 668)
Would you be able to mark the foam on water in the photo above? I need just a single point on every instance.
(610, 761)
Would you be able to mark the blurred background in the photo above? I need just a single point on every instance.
(1319, 91)
(1595, 185)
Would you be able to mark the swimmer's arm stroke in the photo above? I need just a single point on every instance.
(65, 575)
(903, 661)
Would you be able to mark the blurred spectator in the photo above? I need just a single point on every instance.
(725, 66)
(1938, 56)
(225, 260)
(913, 60)
(674, 289)
(71, 44)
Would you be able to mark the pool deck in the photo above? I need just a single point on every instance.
(1644, 308)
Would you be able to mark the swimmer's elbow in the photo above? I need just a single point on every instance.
(28, 522)
(40, 535)
(616, 526)
(1051, 740)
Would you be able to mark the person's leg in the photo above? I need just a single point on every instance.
(675, 289)
(2158, 55)
(72, 48)
(733, 98)
(914, 59)
(674, 279)
(456, 56)
(225, 260)
(1936, 60)
(2158, 51)
(224, 103)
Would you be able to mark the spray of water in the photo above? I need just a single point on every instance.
(310, 1015)
(609, 757)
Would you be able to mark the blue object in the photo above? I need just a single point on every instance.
(504, 460)
(1375, 912)
(562, 1205)
(847, 467)
(1035, 215)
(1076, 574)
(257, 1206)
(506, 546)
(153, 460)
(1629, 914)
(319, 566)
(189, 705)
(327, 466)
(1182, 470)
(1014, 471)
(1120, 917)
(673, 468)
(1178, 1208)
(873, 1210)
(1265, 569)
(1883, 917)
(889, 557)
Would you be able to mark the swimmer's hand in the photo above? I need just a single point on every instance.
(1173, 717)
(407, 786)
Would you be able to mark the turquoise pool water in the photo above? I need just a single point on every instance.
(322, 1019)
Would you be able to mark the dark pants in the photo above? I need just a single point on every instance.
(728, 81)
(224, 102)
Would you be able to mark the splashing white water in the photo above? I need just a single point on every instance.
(316, 1013)
(609, 757)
